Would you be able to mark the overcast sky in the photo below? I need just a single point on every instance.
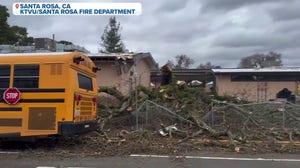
(219, 31)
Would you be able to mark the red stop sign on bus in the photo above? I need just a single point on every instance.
(12, 95)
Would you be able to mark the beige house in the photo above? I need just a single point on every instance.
(124, 71)
(258, 84)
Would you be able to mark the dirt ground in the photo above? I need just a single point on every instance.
(124, 143)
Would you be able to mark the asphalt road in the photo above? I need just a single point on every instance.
(202, 160)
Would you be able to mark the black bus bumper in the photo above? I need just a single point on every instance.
(74, 128)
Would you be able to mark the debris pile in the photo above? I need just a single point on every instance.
(177, 119)
(189, 115)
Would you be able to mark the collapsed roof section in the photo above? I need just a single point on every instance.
(124, 60)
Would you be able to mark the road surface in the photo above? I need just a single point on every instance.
(206, 160)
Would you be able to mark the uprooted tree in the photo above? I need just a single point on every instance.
(261, 60)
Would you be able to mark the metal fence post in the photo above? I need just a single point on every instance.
(147, 113)
(137, 119)
(283, 116)
(212, 114)
(136, 97)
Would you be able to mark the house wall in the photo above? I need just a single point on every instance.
(107, 76)
(124, 82)
(143, 73)
(252, 91)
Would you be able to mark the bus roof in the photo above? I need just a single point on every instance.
(53, 57)
(35, 54)
(40, 57)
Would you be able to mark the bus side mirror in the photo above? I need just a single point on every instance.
(95, 69)
(77, 59)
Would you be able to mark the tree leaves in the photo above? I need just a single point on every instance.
(14, 35)
(111, 39)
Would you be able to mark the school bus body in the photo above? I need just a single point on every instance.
(58, 94)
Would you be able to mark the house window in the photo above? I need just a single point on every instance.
(4, 76)
(243, 78)
(85, 82)
(283, 77)
(266, 77)
(26, 76)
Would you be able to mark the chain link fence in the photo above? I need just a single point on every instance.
(153, 116)
(224, 115)
(271, 115)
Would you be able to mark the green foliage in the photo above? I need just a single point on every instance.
(3, 15)
(4, 29)
(112, 91)
(183, 99)
(111, 38)
(145, 90)
(14, 35)
(19, 36)
(231, 99)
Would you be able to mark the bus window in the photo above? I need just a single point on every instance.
(4, 76)
(26, 76)
(85, 82)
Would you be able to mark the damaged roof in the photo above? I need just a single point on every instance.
(136, 57)
(113, 55)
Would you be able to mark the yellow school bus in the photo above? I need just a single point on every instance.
(47, 94)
